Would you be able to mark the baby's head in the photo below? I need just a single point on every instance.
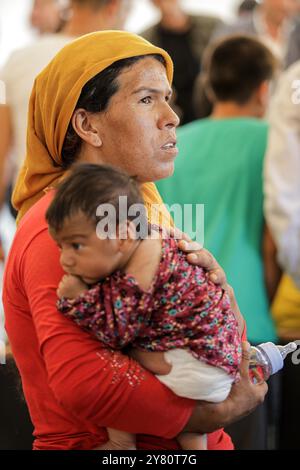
(96, 218)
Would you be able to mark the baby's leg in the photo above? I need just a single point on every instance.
(119, 440)
(192, 441)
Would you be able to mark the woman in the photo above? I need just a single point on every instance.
(88, 106)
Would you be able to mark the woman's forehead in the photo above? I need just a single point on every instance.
(146, 72)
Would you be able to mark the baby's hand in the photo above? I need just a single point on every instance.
(71, 287)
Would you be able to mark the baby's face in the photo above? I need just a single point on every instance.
(83, 253)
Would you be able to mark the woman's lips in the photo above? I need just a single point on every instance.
(170, 147)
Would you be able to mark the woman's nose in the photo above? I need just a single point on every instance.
(169, 118)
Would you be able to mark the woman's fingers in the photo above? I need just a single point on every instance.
(244, 367)
(202, 257)
(189, 246)
(174, 232)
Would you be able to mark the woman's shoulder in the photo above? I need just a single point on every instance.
(36, 214)
(33, 259)
(32, 224)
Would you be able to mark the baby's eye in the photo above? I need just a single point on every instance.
(76, 246)
(146, 100)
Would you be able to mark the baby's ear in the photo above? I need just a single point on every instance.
(131, 230)
(126, 234)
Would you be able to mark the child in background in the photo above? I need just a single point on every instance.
(131, 286)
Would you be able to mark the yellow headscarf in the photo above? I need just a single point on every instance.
(53, 99)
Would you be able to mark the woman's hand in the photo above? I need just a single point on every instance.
(71, 287)
(244, 397)
(202, 257)
(199, 256)
(118, 440)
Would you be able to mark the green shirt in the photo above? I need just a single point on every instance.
(220, 165)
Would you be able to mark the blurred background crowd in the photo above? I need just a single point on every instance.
(239, 143)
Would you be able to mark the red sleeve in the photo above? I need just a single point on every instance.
(106, 388)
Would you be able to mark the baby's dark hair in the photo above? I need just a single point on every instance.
(87, 187)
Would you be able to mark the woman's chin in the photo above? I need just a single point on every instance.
(165, 172)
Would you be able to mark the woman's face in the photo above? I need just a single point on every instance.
(137, 130)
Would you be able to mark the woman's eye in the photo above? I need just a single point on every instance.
(146, 100)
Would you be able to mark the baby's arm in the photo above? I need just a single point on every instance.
(111, 318)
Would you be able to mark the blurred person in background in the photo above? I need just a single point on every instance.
(246, 7)
(272, 21)
(185, 37)
(1, 252)
(18, 75)
(96, 15)
(282, 212)
(48, 16)
(293, 52)
(25, 64)
(220, 165)
(282, 171)
(15, 425)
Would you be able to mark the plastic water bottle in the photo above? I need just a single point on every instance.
(267, 358)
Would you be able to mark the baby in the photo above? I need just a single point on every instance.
(129, 285)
